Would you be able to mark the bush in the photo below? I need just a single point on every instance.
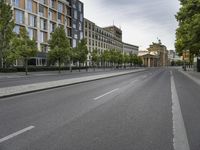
(37, 69)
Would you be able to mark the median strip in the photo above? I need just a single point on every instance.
(23, 89)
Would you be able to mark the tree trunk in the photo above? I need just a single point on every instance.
(1, 64)
(86, 67)
(59, 65)
(93, 66)
(70, 66)
(79, 66)
(26, 65)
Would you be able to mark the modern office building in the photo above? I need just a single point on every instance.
(129, 48)
(41, 17)
(101, 38)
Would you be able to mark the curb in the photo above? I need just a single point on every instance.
(4, 94)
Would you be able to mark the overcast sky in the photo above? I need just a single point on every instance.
(142, 21)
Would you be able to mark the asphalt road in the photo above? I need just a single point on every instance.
(129, 112)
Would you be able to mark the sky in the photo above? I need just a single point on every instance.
(142, 21)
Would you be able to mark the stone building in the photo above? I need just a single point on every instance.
(161, 51)
(149, 59)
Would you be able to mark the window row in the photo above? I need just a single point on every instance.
(32, 20)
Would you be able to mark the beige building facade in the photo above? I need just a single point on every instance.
(129, 48)
(100, 38)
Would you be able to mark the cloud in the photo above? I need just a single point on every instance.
(142, 21)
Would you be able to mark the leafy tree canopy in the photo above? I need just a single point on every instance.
(60, 49)
(6, 30)
(188, 32)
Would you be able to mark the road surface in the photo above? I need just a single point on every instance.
(130, 112)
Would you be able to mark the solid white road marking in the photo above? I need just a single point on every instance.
(105, 94)
(16, 134)
(180, 140)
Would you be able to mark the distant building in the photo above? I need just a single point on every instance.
(186, 56)
(161, 51)
(100, 38)
(129, 48)
(149, 59)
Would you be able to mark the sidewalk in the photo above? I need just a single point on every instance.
(46, 73)
(22, 89)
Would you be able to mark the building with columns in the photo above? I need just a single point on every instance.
(161, 51)
(41, 17)
(155, 56)
(149, 59)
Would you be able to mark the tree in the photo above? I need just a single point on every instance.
(60, 49)
(119, 58)
(140, 62)
(81, 52)
(95, 57)
(23, 47)
(126, 59)
(105, 57)
(188, 32)
(131, 58)
(6, 28)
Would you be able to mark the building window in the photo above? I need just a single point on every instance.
(81, 35)
(75, 36)
(50, 15)
(81, 17)
(15, 3)
(80, 26)
(52, 3)
(30, 33)
(43, 1)
(19, 16)
(41, 10)
(16, 29)
(74, 43)
(59, 18)
(43, 24)
(75, 14)
(52, 27)
(43, 37)
(80, 7)
(32, 20)
(60, 7)
(74, 26)
(29, 4)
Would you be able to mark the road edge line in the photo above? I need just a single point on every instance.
(180, 140)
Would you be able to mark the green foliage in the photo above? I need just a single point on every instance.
(188, 32)
(126, 58)
(6, 28)
(105, 56)
(22, 47)
(81, 51)
(60, 49)
(95, 56)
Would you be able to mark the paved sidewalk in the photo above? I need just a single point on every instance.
(22, 89)
(46, 73)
